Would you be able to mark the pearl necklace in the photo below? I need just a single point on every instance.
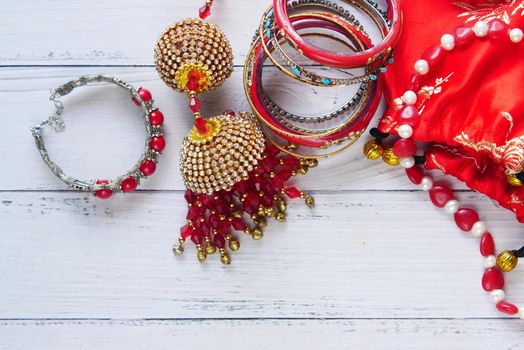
(403, 153)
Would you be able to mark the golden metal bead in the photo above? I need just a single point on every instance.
(281, 205)
(234, 245)
(270, 212)
(193, 45)
(390, 158)
(260, 221)
(513, 180)
(303, 169)
(373, 150)
(257, 234)
(210, 249)
(201, 256)
(237, 213)
(312, 163)
(281, 217)
(507, 261)
(225, 258)
(310, 201)
(178, 249)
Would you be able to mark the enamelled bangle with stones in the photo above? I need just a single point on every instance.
(441, 196)
(146, 165)
(336, 13)
(375, 55)
(315, 20)
(252, 75)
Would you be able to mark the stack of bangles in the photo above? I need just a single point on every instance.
(290, 22)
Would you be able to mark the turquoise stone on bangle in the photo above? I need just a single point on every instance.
(295, 70)
(326, 81)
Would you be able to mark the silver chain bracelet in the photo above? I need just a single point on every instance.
(144, 167)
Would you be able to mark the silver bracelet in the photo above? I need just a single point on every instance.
(144, 167)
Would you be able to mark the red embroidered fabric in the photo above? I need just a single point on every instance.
(472, 110)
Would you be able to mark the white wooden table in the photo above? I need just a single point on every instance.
(373, 266)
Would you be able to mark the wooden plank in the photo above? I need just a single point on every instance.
(117, 32)
(357, 255)
(105, 135)
(263, 334)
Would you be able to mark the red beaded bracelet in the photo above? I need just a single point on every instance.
(373, 55)
(146, 165)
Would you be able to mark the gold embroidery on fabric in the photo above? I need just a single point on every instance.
(489, 11)
(511, 154)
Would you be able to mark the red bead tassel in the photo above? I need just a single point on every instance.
(211, 219)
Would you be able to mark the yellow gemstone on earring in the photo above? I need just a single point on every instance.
(373, 150)
(390, 158)
(513, 180)
(507, 261)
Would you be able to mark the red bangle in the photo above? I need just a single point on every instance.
(335, 59)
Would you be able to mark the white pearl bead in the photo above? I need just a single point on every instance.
(516, 35)
(426, 183)
(489, 261)
(447, 42)
(422, 67)
(405, 131)
(479, 228)
(410, 97)
(497, 296)
(481, 29)
(452, 206)
(407, 162)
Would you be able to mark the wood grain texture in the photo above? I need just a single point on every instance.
(357, 254)
(264, 334)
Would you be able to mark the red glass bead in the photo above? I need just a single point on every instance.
(497, 29)
(238, 224)
(158, 143)
(192, 83)
(507, 308)
(272, 150)
(291, 162)
(189, 196)
(204, 11)
(487, 245)
(404, 148)
(156, 118)
(440, 195)
(409, 115)
(414, 83)
(221, 207)
(492, 279)
(104, 193)
(463, 36)
(292, 192)
(267, 200)
(229, 112)
(251, 202)
(186, 231)
(284, 174)
(148, 167)
(214, 220)
(195, 104)
(205, 227)
(144, 94)
(198, 237)
(465, 219)
(433, 55)
(415, 175)
(219, 241)
(224, 226)
(128, 184)
(201, 125)
(194, 213)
